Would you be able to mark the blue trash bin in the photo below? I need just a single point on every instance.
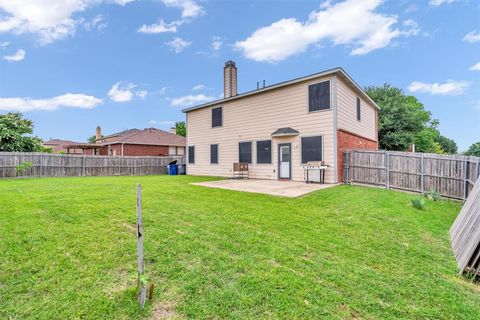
(172, 169)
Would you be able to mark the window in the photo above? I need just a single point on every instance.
(245, 152)
(359, 114)
(217, 117)
(214, 153)
(264, 151)
(191, 154)
(319, 96)
(311, 149)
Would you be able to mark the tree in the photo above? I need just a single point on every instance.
(447, 145)
(474, 150)
(180, 128)
(93, 139)
(403, 120)
(15, 134)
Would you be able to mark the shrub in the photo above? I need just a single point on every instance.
(22, 167)
(418, 203)
(432, 194)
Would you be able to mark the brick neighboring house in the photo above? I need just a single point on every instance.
(133, 142)
(280, 128)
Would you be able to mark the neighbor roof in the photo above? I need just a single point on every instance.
(150, 136)
(338, 71)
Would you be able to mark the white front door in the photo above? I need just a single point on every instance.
(285, 159)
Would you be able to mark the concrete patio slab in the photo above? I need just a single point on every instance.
(291, 189)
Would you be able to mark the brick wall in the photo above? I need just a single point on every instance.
(347, 140)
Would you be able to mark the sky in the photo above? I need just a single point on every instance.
(70, 65)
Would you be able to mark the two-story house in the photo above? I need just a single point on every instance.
(279, 128)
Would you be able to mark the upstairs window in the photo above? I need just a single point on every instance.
(214, 153)
(311, 149)
(245, 152)
(359, 111)
(319, 96)
(264, 151)
(217, 117)
(191, 154)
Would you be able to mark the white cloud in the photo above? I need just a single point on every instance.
(199, 87)
(178, 44)
(71, 100)
(472, 37)
(3, 45)
(217, 43)
(119, 94)
(142, 94)
(190, 8)
(353, 23)
(122, 2)
(449, 88)
(190, 100)
(50, 20)
(475, 67)
(163, 122)
(440, 2)
(17, 56)
(98, 22)
(161, 27)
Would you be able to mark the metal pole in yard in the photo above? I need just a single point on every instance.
(142, 293)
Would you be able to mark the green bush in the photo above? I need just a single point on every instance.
(22, 167)
(432, 194)
(418, 203)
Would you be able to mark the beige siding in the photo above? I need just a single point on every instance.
(347, 112)
(254, 118)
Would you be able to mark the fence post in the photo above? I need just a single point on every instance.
(387, 170)
(83, 166)
(348, 166)
(478, 168)
(422, 174)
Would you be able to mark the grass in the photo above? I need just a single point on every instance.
(68, 250)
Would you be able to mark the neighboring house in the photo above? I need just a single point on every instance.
(279, 128)
(60, 146)
(133, 142)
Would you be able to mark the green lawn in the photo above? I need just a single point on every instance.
(68, 250)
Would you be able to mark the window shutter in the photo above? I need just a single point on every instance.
(264, 151)
(245, 152)
(359, 111)
(311, 149)
(214, 153)
(191, 154)
(217, 117)
(319, 96)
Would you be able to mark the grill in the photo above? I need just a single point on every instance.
(314, 172)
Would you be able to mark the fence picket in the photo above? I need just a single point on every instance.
(53, 165)
(452, 176)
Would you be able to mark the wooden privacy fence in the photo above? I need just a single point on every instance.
(56, 165)
(465, 234)
(452, 176)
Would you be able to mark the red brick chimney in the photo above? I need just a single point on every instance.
(229, 79)
(98, 133)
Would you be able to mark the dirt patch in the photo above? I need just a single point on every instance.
(164, 310)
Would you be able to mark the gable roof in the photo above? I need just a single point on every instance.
(150, 136)
(338, 71)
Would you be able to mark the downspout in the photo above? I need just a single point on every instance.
(122, 147)
(335, 131)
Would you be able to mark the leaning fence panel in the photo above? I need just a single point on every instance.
(452, 176)
(58, 165)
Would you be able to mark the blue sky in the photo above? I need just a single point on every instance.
(71, 65)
